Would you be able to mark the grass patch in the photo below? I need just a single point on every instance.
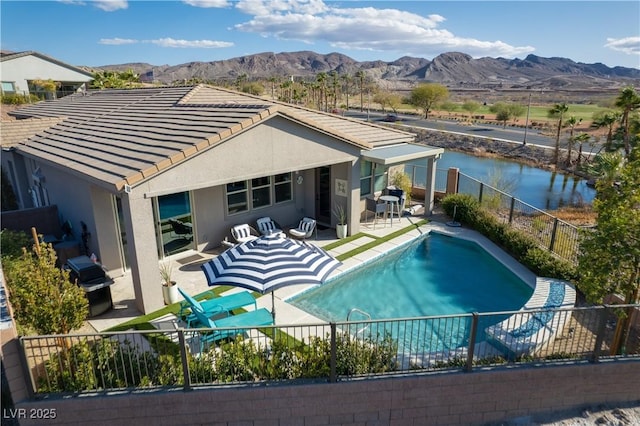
(344, 240)
(380, 240)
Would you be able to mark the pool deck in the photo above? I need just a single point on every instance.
(188, 275)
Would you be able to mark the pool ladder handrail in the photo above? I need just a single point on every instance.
(360, 311)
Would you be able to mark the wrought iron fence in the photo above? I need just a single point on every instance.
(176, 357)
(552, 234)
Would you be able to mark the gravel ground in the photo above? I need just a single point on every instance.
(601, 415)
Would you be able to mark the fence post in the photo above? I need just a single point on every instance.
(513, 203)
(185, 360)
(553, 234)
(453, 180)
(602, 325)
(333, 362)
(480, 193)
(472, 342)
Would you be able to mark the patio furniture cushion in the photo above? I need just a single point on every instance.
(243, 233)
(267, 226)
(305, 228)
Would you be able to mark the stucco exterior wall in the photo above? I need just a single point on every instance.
(275, 146)
(24, 68)
(450, 398)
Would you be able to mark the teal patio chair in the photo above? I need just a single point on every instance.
(216, 305)
(251, 319)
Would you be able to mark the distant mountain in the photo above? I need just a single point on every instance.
(454, 69)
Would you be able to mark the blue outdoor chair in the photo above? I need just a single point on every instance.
(251, 319)
(216, 305)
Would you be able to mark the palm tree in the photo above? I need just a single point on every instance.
(607, 119)
(571, 123)
(348, 79)
(627, 101)
(335, 83)
(360, 76)
(581, 139)
(321, 78)
(558, 111)
(607, 166)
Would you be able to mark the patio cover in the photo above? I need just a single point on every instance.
(400, 153)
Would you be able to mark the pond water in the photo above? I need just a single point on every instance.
(541, 188)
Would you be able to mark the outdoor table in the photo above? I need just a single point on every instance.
(390, 200)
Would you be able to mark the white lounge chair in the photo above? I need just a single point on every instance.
(268, 226)
(243, 233)
(305, 229)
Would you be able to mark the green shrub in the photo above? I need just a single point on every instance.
(13, 243)
(466, 207)
(520, 245)
(544, 263)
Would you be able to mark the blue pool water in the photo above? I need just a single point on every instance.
(434, 276)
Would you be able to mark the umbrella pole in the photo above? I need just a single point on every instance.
(273, 307)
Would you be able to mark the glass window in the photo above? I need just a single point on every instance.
(380, 178)
(237, 197)
(283, 189)
(260, 192)
(8, 87)
(366, 168)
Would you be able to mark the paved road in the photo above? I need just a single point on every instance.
(482, 130)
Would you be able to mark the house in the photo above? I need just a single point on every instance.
(19, 70)
(128, 162)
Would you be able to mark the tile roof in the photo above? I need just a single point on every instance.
(118, 137)
(16, 131)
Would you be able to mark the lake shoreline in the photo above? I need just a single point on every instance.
(531, 155)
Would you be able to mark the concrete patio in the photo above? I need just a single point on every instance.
(189, 276)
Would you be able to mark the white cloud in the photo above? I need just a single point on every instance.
(364, 28)
(207, 3)
(117, 41)
(111, 5)
(268, 7)
(628, 45)
(202, 44)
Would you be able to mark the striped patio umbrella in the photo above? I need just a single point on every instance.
(268, 263)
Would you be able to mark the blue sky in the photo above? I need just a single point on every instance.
(109, 32)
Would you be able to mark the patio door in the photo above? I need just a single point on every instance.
(323, 195)
(174, 223)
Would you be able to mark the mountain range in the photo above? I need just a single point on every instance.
(453, 69)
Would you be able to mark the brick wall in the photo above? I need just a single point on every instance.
(443, 398)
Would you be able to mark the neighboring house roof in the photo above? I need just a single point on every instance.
(9, 56)
(119, 137)
(16, 131)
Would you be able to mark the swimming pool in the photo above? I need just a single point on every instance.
(436, 275)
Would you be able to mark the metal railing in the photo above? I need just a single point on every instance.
(551, 233)
(175, 357)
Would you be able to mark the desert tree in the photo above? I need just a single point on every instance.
(41, 294)
(426, 96)
(609, 255)
(557, 112)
